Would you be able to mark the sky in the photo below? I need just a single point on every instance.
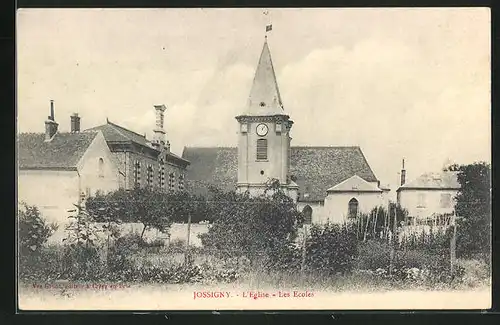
(400, 83)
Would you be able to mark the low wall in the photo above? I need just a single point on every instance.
(178, 231)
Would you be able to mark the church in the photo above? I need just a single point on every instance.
(328, 183)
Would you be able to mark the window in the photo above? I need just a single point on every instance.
(421, 200)
(137, 173)
(181, 182)
(101, 167)
(353, 208)
(307, 213)
(149, 176)
(171, 181)
(161, 174)
(445, 201)
(261, 149)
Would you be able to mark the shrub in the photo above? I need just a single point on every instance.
(82, 262)
(252, 227)
(331, 248)
(34, 231)
(45, 266)
(373, 255)
(120, 252)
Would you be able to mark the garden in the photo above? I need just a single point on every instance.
(256, 242)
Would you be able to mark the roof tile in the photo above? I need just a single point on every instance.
(64, 151)
(316, 168)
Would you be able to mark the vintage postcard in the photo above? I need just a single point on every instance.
(254, 159)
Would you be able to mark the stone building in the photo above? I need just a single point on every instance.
(59, 169)
(141, 162)
(327, 182)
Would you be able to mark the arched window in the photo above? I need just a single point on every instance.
(101, 167)
(353, 208)
(261, 149)
(307, 213)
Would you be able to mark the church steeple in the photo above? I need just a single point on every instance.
(265, 98)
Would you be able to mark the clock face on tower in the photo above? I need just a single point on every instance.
(261, 130)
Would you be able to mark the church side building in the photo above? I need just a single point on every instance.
(328, 183)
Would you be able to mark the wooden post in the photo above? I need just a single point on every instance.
(375, 224)
(393, 242)
(453, 246)
(304, 250)
(368, 217)
(187, 257)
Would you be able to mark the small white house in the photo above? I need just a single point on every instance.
(352, 197)
(430, 194)
(57, 170)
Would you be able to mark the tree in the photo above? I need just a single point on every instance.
(473, 208)
(142, 205)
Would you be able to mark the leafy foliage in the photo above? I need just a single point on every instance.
(254, 227)
(379, 223)
(331, 248)
(150, 207)
(34, 231)
(473, 207)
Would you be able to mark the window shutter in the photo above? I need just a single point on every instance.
(261, 149)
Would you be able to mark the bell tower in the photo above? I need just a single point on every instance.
(264, 134)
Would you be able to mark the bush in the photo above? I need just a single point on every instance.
(45, 266)
(253, 227)
(331, 248)
(34, 231)
(373, 255)
(120, 252)
(82, 262)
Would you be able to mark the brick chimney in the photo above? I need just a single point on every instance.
(159, 132)
(75, 123)
(403, 174)
(50, 124)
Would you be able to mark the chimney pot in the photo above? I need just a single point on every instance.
(50, 124)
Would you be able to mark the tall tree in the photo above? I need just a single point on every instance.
(473, 208)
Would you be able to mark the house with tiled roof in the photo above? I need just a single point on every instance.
(428, 195)
(327, 182)
(142, 162)
(59, 169)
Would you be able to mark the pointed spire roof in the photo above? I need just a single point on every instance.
(265, 96)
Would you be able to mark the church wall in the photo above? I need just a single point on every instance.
(336, 204)
(318, 214)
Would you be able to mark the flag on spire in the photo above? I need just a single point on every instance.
(269, 28)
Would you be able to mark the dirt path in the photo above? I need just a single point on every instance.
(181, 297)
